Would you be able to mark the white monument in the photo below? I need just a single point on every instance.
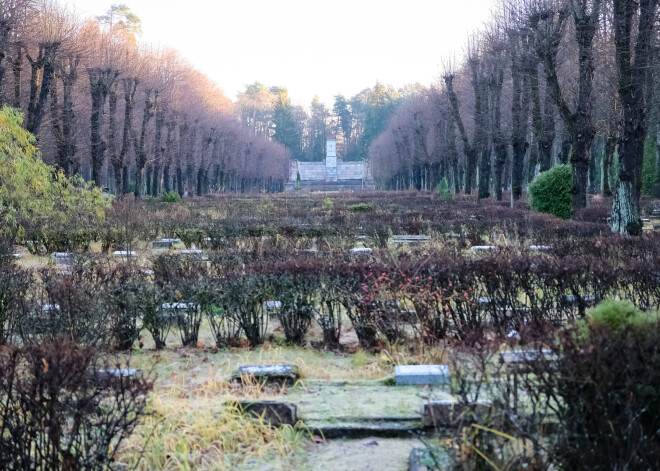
(331, 160)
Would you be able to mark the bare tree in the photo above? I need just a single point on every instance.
(633, 52)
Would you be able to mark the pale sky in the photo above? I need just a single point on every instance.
(312, 47)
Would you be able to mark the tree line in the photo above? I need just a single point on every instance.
(544, 82)
(354, 122)
(129, 117)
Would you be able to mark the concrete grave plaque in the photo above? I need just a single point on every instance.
(521, 356)
(63, 258)
(421, 374)
(280, 374)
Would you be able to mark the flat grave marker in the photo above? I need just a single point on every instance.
(123, 253)
(521, 356)
(410, 239)
(477, 248)
(279, 374)
(421, 374)
(62, 258)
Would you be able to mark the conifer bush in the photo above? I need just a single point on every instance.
(550, 191)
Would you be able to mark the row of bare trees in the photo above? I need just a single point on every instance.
(545, 82)
(130, 117)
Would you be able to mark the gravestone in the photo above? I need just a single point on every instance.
(540, 247)
(162, 244)
(173, 312)
(124, 253)
(272, 307)
(115, 377)
(410, 239)
(274, 374)
(271, 412)
(63, 258)
(18, 255)
(522, 356)
(119, 373)
(193, 252)
(482, 247)
(421, 374)
(362, 251)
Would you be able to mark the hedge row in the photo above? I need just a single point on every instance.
(417, 301)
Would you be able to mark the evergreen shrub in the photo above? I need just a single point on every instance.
(550, 191)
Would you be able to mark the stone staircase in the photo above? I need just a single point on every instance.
(341, 185)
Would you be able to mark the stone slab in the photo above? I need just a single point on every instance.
(410, 239)
(280, 374)
(18, 255)
(123, 253)
(477, 248)
(521, 356)
(114, 377)
(362, 251)
(162, 244)
(178, 306)
(271, 412)
(421, 374)
(119, 373)
(62, 258)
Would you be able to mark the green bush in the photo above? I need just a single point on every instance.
(443, 190)
(328, 204)
(360, 208)
(171, 197)
(617, 316)
(551, 191)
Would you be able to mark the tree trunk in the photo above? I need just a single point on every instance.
(632, 76)
(37, 107)
(17, 69)
(519, 115)
(470, 153)
(141, 144)
(114, 157)
(100, 81)
(130, 87)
